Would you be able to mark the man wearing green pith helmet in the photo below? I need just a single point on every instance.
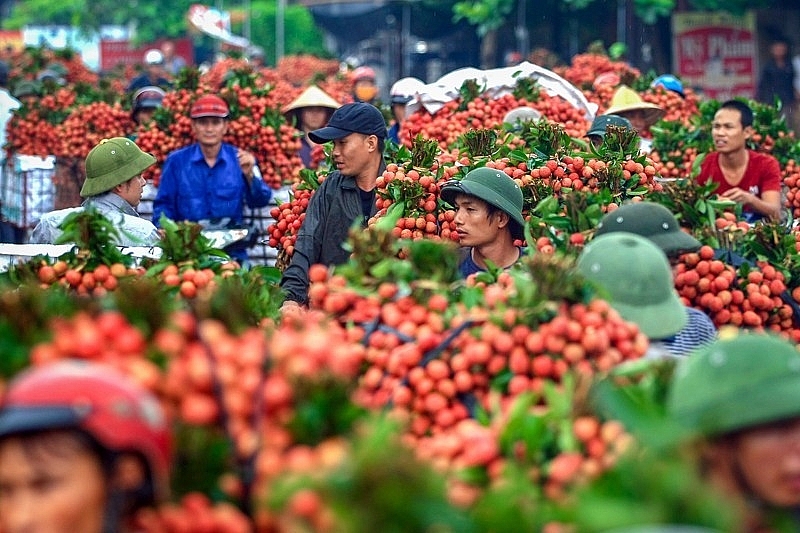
(739, 400)
(488, 219)
(113, 187)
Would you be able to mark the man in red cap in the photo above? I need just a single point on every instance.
(209, 181)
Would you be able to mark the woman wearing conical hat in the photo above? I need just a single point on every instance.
(628, 104)
(310, 111)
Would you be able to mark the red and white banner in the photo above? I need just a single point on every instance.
(120, 52)
(716, 52)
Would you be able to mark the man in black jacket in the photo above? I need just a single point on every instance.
(347, 195)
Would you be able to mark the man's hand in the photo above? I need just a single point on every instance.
(290, 307)
(769, 204)
(740, 196)
(247, 162)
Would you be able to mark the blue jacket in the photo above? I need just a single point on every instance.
(191, 190)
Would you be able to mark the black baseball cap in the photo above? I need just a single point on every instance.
(358, 117)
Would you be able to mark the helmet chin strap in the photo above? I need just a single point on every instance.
(123, 503)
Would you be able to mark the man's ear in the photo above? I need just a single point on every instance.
(129, 472)
(503, 219)
(372, 142)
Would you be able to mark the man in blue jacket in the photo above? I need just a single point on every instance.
(210, 180)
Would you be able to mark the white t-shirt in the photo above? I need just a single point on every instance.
(796, 65)
(7, 106)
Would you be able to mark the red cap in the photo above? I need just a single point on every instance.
(209, 105)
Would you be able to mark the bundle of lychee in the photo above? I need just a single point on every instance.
(87, 125)
(441, 355)
(33, 130)
(584, 69)
(478, 111)
(742, 296)
(255, 125)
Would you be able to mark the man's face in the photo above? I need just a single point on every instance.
(637, 118)
(399, 112)
(209, 131)
(476, 227)
(145, 115)
(354, 154)
(727, 131)
(365, 89)
(131, 190)
(155, 70)
(768, 459)
(54, 487)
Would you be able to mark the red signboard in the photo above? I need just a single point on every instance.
(11, 39)
(120, 52)
(716, 52)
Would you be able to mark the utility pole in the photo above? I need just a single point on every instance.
(280, 14)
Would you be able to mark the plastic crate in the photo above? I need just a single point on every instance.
(27, 190)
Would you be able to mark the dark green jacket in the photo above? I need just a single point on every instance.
(331, 211)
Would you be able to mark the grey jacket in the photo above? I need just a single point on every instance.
(332, 210)
(133, 230)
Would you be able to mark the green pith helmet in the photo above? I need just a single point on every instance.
(601, 122)
(653, 221)
(112, 162)
(27, 88)
(736, 383)
(638, 279)
(494, 187)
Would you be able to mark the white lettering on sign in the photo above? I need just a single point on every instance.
(692, 47)
(721, 46)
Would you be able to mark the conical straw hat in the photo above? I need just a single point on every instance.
(312, 97)
(626, 99)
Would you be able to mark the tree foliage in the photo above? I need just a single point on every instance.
(155, 19)
(737, 7)
(485, 15)
(150, 18)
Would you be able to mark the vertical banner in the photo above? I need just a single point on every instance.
(716, 52)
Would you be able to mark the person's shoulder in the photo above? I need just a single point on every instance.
(58, 214)
(184, 151)
(762, 158)
(8, 101)
(337, 180)
(710, 158)
(228, 150)
(698, 316)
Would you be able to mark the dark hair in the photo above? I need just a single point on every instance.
(744, 110)
(517, 231)
(3, 74)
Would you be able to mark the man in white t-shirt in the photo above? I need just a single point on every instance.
(8, 104)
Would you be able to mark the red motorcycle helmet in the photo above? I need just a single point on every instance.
(97, 399)
(363, 73)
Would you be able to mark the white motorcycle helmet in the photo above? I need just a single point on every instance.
(405, 89)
